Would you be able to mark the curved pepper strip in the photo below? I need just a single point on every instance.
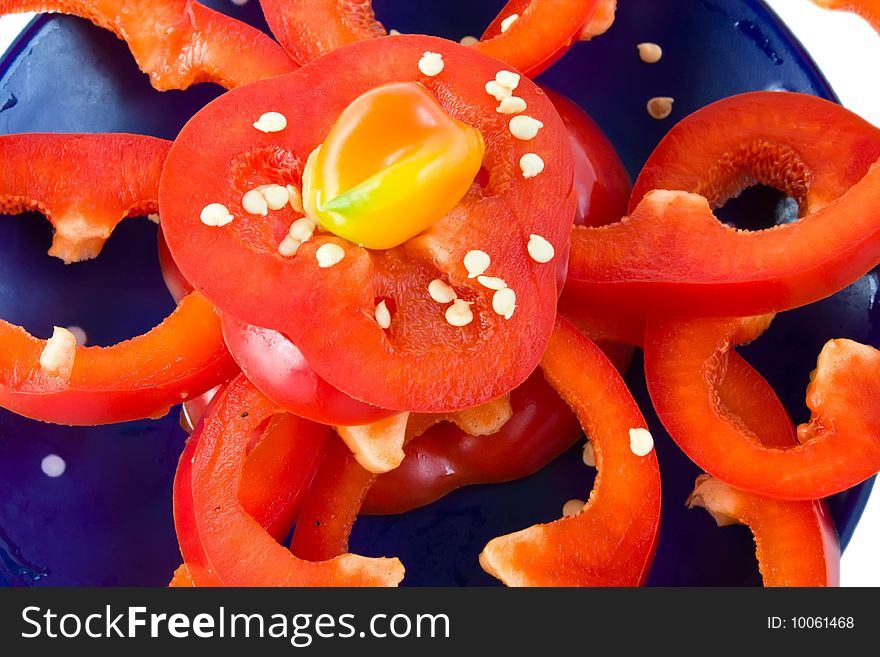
(840, 445)
(45, 172)
(867, 9)
(796, 541)
(741, 390)
(544, 31)
(143, 377)
(331, 506)
(447, 457)
(276, 475)
(612, 541)
(672, 256)
(238, 551)
(177, 43)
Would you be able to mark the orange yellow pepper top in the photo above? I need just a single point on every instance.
(392, 164)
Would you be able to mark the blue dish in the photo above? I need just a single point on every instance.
(108, 519)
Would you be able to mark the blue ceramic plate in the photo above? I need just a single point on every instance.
(107, 519)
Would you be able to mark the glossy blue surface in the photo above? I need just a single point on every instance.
(107, 520)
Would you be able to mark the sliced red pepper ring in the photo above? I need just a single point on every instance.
(542, 32)
(83, 204)
(280, 371)
(275, 477)
(796, 541)
(235, 548)
(177, 42)
(612, 541)
(446, 457)
(840, 445)
(672, 256)
(143, 377)
(427, 364)
(276, 367)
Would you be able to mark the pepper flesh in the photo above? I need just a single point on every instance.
(177, 42)
(446, 457)
(867, 9)
(239, 551)
(45, 172)
(279, 370)
(612, 541)
(427, 364)
(796, 541)
(393, 163)
(331, 506)
(544, 31)
(276, 475)
(840, 446)
(673, 257)
(143, 377)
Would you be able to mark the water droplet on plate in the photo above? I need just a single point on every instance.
(9, 103)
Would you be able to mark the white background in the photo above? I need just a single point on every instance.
(848, 52)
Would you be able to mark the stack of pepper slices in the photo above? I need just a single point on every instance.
(401, 213)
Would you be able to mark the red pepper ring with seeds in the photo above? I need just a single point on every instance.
(611, 542)
(541, 32)
(422, 362)
(177, 42)
(671, 256)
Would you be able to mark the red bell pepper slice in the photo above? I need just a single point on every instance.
(543, 33)
(143, 377)
(276, 475)
(673, 257)
(840, 445)
(612, 541)
(278, 369)
(741, 390)
(235, 548)
(867, 9)
(177, 42)
(796, 541)
(422, 363)
(179, 359)
(544, 30)
(331, 506)
(447, 457)
(45, 172)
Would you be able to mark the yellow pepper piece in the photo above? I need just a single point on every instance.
(393, 164)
